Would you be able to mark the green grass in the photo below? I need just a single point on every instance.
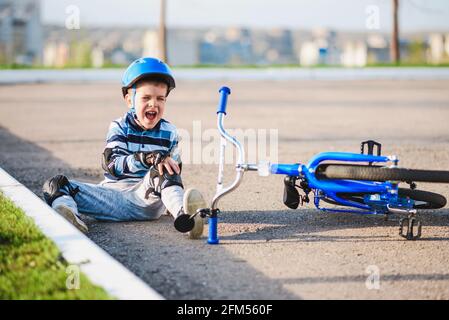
(31, 266)
(317, 66)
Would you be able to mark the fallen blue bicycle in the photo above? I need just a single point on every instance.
(364, 183)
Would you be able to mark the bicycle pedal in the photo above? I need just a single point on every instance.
(409, 223)
(370, 147)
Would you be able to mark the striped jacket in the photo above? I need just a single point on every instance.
(125, 137)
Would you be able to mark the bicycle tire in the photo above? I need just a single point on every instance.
(377, 173)
(431, 200)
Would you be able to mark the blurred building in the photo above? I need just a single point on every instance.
(56, 54)
(438, 48)
(237, 46)
(355, 49)
(273, 46)
(182, 44)
(319, 47)
(358, 50)
(226, 46)
(20, 32)
(97, 47)
(213, 48)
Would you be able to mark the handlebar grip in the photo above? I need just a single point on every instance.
(224, 92)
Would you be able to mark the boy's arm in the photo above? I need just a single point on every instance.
(117, 159)
(175, 152)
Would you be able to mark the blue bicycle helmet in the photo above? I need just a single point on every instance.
(147, 68)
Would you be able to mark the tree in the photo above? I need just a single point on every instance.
(394, 53)
(162, 32)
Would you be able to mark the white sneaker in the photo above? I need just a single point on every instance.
(69, 214)
(193, 200)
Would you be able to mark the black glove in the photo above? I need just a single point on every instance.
(152, 158)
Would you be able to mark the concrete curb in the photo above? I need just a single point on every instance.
(76, 248)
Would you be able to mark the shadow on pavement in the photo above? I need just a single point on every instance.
(176, 267)
(362, 278)
(308, 225)
(31, 164)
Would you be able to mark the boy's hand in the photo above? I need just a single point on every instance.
(170, 165)
(159, 159)
(150, 158)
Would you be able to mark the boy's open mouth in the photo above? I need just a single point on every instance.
(150, 115)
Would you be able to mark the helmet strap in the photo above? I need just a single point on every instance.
(133, 97)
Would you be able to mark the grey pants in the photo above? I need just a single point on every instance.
(123, 200)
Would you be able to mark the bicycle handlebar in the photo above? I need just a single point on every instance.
(221, 112)
(224, 92)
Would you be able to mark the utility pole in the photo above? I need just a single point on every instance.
(162, 32)
(394, 50)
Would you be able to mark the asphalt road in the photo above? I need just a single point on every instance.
(267, 251)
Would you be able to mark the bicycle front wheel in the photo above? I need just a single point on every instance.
(377, 173)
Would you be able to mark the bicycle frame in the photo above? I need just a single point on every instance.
(380, 197)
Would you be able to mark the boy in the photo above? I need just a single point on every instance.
(141, 162)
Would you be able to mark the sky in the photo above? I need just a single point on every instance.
(351, 15)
